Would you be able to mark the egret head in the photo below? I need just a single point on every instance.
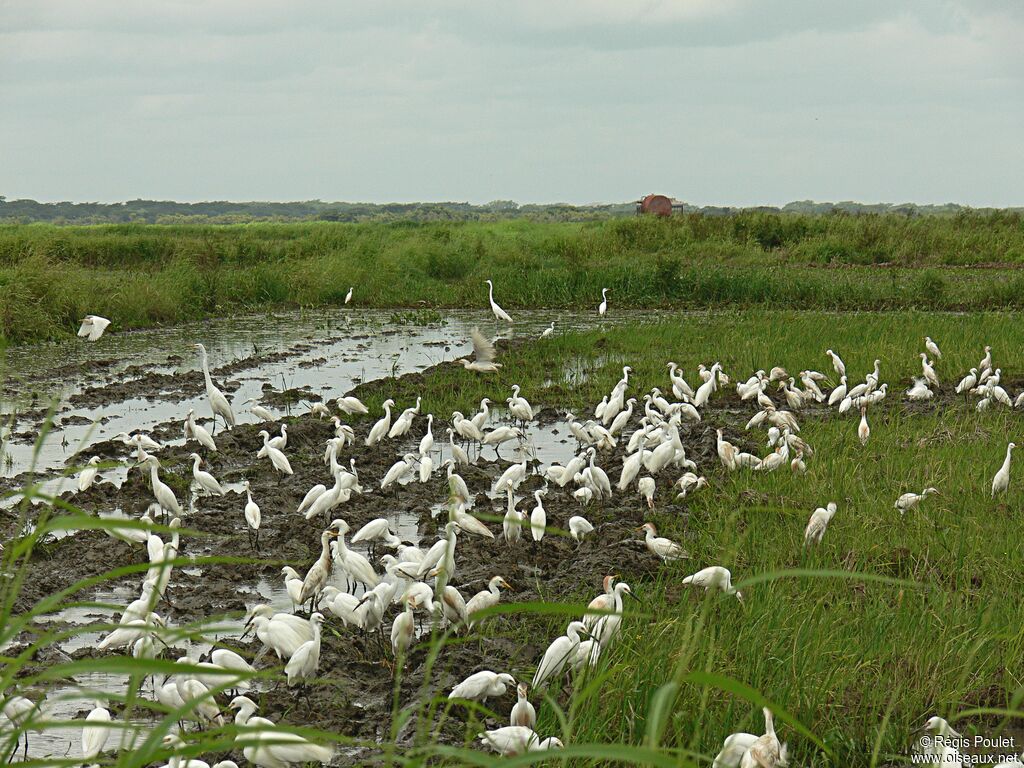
(507, 678)
(831, 507)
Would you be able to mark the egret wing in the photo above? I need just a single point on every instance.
(483, 350)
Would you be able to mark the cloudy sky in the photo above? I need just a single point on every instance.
(714, 101)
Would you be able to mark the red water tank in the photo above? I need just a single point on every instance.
(659, 205)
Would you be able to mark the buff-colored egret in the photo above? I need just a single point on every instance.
(379, 430)
(819, 521)
(482, 685)
(1002, 479)
(266, 745)
(646, 487)
(767, 751)
(277, 458)
(219, 404)
(523, 714)
(579, 527)
(204, 480)
(318, 574)
(603, 308)
(559, 654)
(714, 577)
(666, 549)
(197, 432)
(485, 599)
(863, 430)
(932, 347)
(538, 517)
(303, 664)
(88, 475)
(252, 516)
(403, 631)
(908, 501)
(600, 604)
(512, 524)
(549, 331)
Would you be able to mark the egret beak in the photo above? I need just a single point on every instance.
(505, 584)
(630, 594)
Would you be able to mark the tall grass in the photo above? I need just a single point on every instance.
(143, 275)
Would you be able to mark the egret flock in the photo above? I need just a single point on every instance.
(393, 587)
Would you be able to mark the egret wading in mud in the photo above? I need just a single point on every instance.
(219, 404)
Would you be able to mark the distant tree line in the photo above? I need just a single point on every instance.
(226, 212)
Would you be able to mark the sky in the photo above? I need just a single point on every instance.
(716, 102)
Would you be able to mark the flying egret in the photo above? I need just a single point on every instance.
(484, 354)
(92, 327)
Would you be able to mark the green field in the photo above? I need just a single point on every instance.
(145, 275)
(852, 643)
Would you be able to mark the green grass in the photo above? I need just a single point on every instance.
(853, 644)
(925, 616)
(145, 275)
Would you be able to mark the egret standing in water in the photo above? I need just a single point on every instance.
(499, 313)
(603, 308)
(218, 403)
(252, 516)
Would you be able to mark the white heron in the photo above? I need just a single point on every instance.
(484, 354)
(603, 308)
(482, 685)
(1002, 479)
(559, 654)
(203, 479)
(218, 402)
(819, 521)
(499, 313)
(380, 429)
(252, 515)
(714, 577)
(303, 664)
(666, 549)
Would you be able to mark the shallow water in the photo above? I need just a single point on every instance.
(329, 353)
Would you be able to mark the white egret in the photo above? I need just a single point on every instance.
(203, 479)
(512, 477)
(559, 654)
(92, 327)
(908, 501)
(819, 521)
(282, 633)
(666, 549)
(403, 630)
(398, 471)
(515, 740)
(1002, 479)
(403, 423)
(499, 313)
(427, 441)
(218, 402)
(714, 577)
(512, 524)
(303, 664)
(94, 732)
(579, 527)
(767, 750)
(353, 563)
(197, 432)
(348, 296)
(459, 456)
(88, 475)
(484, 354)
(932, 347)
(538, 517)
(968, 382)
(549, 331)
(837, 363)
(311, 496)
(351, 404)
(380, 429)
(485, 599)
(266, 745)
(277, 458)
(259, 411)
(482, 685)
(252, 515)
(603, 308)
(292, 584)
(278, 441)
(161, 491)
(470, 524)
